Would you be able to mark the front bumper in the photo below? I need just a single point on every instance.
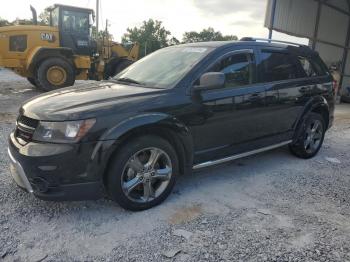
(56, 171)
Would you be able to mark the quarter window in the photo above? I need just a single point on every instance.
(237, 69)
(277, 66)
(307, 66)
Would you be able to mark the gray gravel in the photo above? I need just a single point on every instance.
(269, 207)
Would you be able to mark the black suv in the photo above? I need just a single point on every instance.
(181, 108)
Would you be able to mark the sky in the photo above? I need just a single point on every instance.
(232, 17)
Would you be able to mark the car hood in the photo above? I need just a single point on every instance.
(87, 101)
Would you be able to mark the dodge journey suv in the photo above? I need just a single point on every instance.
(180, 108)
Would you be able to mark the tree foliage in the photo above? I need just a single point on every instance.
(206, 35)
(44, 17)
(4, 22)
(151, 36)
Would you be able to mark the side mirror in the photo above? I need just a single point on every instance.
(211, 80)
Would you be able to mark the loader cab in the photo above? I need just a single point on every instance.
(74, 25)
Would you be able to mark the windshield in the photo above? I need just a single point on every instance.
(163, 68)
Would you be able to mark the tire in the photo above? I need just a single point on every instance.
(310, 137)
(31, 81)
(61, 70)
(128, 181)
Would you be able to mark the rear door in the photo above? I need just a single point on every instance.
(287, 90)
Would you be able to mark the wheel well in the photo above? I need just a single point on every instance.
(163, 132)
(323, 112)
(42, 55)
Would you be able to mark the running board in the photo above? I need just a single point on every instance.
(234, 157)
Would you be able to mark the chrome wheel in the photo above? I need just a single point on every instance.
(146, 175)
(313, 136)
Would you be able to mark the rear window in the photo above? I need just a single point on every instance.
(278, 66)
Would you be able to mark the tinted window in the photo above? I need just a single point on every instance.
(75, 22)
(277, 66)
(237, 69)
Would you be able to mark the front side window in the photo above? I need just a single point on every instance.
(238, 70)
(75, 22)
(277, 66)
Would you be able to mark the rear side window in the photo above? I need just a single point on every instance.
(278, 66)
(238, 69)
(311, 67)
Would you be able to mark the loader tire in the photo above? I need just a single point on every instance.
(31, 80)
(55, 73)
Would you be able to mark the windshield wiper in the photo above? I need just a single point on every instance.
(129, 80)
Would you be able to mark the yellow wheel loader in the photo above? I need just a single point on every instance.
(54, 56)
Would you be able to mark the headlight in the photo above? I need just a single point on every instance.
(62, 132)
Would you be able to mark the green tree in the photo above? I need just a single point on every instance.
(4, 22)
(206, 35)
(174, 41)
(151, 36)
(44, 17)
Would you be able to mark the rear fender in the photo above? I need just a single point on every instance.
(40, 53)
(317, 102)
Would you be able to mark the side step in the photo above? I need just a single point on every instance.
(234, 157)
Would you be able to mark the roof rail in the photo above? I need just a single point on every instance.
(269, 41)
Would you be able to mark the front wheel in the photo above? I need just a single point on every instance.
(310, 137)
(143, 172)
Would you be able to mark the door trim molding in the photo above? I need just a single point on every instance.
(234, 157)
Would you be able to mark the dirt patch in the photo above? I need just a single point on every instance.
(185, 214)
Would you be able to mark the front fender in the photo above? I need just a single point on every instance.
(111, 139)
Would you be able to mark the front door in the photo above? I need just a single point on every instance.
(230, 117)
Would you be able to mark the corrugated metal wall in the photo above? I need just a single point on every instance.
(294, 16)
(298, 18)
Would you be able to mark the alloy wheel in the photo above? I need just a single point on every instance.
(146, 175)
(313, 136)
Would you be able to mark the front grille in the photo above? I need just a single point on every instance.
(25, 128)
(29, 122)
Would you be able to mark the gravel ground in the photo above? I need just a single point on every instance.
(269, 207)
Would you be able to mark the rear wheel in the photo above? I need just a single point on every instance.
(55, 73)
(311, 136)
(143, 173)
